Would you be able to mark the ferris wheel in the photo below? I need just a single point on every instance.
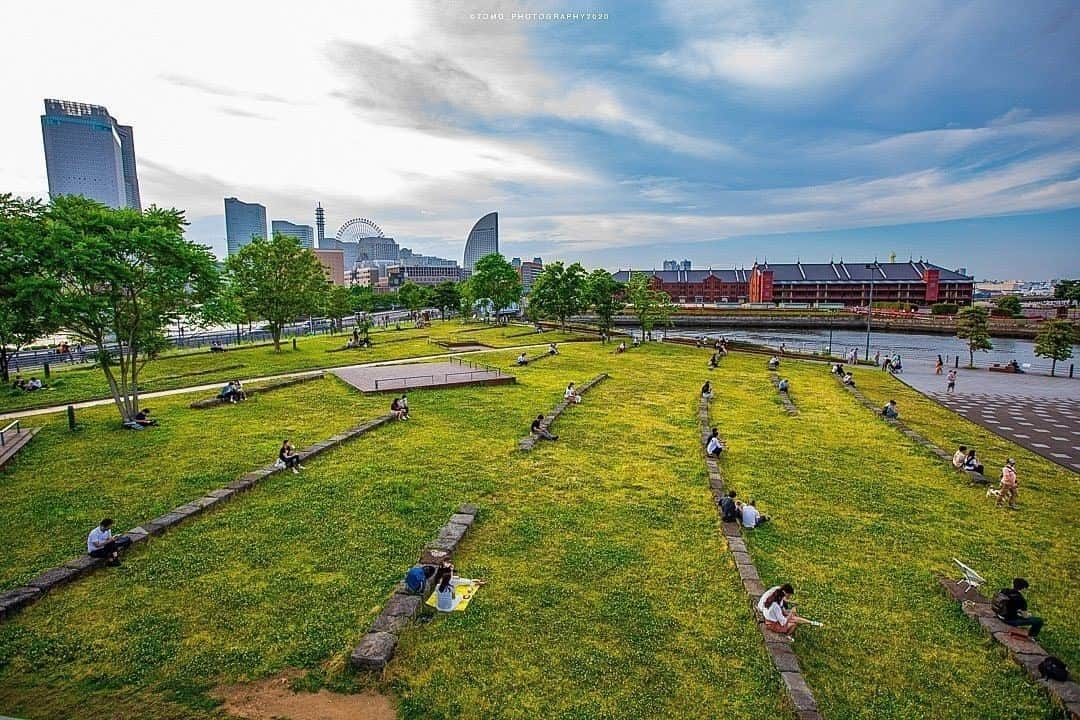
(358, 228)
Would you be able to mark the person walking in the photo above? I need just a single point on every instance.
(950, 380)
(1008, 491)
(939, 365)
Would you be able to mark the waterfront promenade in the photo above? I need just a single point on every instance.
(1038, 412)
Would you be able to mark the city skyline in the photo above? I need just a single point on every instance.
(664, 130)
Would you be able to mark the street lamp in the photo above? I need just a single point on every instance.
(870, 306)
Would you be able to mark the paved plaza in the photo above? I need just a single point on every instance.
(387, 378)
(1040, 413)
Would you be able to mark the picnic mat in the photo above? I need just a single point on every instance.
(462, 593)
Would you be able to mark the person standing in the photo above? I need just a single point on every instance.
(950, 380)
(939, 365)
(1008, 492)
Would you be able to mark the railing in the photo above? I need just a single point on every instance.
(403, 380)
(6, 430)
(473, 364)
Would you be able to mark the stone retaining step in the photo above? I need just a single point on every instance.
(783, 657)
(528, 442)
(376, 648)
(1024, 651)
(785, 397)
(75, 568)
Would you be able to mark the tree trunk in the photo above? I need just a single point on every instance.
(275, 334)
(971, 357)
(4, 363)
(1053, 366)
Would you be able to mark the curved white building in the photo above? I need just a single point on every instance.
(483, 240)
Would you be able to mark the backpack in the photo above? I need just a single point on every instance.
(1002, 604)
(1053, 668)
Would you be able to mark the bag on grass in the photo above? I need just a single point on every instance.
(1002, 604)
(1053, 668)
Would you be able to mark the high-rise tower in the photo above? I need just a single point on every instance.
(483, 240)
(242, 222)
(88, 153)
(320, 224)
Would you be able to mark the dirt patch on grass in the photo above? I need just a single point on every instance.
(273, 698)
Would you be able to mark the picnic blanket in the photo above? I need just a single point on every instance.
(462, 595)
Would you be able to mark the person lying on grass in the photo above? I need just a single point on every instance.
(779, 614)
(540, 430)
(713, 445)
(445, 582)
(750, 516)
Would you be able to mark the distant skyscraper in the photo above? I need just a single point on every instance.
(88, 153)
(303, 233)
(483, 240)
(242, 220)
(670, 265)
(320, 223)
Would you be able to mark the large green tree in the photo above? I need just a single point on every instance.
(495, 281)
(414, 297)
(1009, 305)
(1068, 290)
(122, 275)
(447, 297)
(651, 307)
(604, 296)
(973, 326)
(339, 304)
(27, 311)
(278, 280)
(558, 292)
(1055, 340)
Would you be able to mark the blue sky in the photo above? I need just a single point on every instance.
(723, 132)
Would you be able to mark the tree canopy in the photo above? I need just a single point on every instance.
(26, 291)
(447, 297)
(122, 275)
(972, 325)
(413, 296)
(494, 280)
(1009, 305)
(604, 296)
(1055, 340)
(338, 304)
(651, 307)
(559, 292)
(278, 280)
(1068, 290)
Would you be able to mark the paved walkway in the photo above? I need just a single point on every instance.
(1038, 412)
(217, 385)
(375, 378)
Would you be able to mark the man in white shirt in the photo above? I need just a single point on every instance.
(101, 544)
(751, 518)
(714, 447)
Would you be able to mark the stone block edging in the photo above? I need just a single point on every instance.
(783, 656)
(376, 648)
(18, 598)
(1025, 652)
(259, 390)
(915, 437)
(785, 397)
(528, 442)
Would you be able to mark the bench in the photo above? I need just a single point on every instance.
(528, 442)
(250, 392)
(376, 648)
(12, 439)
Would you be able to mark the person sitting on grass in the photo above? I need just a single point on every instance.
(706, 390)
(1009, 484)
(783, 385)
(774, 362)
(622, 347)
(714, 446)
(417, 578)
(142, 418)
(714, 362)
(34, 384)
(848, 380)
(838, 369)
(216, 347)
(890, 411)
(571, 394)
(288, 457)
(539, 429)
(396, 409)
(101, 543)
(750, 516)
(729, 507)
(779, 614)
(636, 341)
(522, 359)
(959, 457)
(404, 403)
(552, 350)
(971, 463)
(1010, 607)
(446, 581)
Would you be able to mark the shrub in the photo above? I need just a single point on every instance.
(944, 308)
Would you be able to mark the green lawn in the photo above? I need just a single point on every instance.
(611, 594)
(73, 383)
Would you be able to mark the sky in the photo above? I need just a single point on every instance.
(725, 132)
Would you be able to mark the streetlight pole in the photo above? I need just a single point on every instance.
(870, 307)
